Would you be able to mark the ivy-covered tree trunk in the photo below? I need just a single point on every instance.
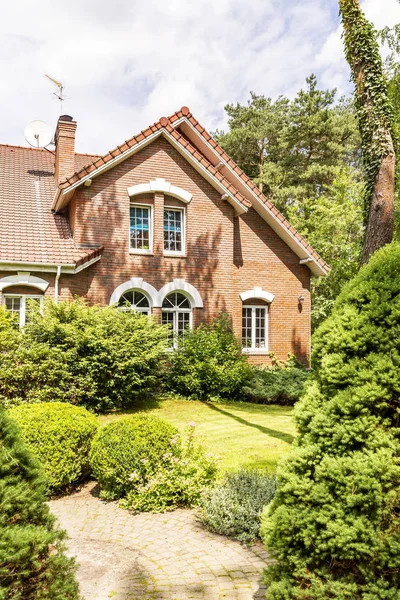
(375, 124)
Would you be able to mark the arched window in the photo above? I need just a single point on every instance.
(177, 313)
(134, 300)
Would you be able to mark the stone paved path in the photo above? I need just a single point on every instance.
(154, 557)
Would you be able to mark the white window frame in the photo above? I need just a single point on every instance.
(145, 309)
(175, 312)
(252, 349)
(175, 252)
(23, 298)
(151, 228)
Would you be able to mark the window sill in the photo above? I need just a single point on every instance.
(263, 351)
(174, 255)
(142, 252)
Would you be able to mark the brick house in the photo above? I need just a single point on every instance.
(166, 224)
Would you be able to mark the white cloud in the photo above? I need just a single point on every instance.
(127, 63)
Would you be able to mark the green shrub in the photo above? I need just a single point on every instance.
(278, 384)
(59, 435)
(208, 363)
(142, 460)
(100, 358)
(128, 449)
(33, 564)
(234, 506)
(179, 481)
(334, 526)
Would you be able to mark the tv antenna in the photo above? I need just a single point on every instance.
(60, 93)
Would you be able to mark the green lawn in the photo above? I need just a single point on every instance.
(237, 433)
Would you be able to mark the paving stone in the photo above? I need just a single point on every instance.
(145, 556)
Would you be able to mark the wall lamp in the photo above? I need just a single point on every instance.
(300, 299)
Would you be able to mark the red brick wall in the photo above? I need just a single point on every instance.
(225, 255)
(102, 217)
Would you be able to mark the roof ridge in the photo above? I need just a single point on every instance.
(23, 147)
(87, 154)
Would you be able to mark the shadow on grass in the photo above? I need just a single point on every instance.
(280, 435)
(138, 405)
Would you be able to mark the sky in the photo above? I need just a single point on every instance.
(126, 63)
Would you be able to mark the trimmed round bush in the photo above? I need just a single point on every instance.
(234, 506)
(59, 435)
(129, 450)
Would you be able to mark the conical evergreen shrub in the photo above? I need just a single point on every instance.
(334, 526)
(33, 565)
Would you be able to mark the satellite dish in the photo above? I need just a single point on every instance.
(38, 134)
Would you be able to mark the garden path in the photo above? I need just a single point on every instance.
(146, 556)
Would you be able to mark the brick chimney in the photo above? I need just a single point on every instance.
(65, 148)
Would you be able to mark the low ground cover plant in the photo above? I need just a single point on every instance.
(208, 363)
(334, 526)
(59, 435)
(97, 357)
(143, 461)
(277, 384)
(234, 506)
(33, 564)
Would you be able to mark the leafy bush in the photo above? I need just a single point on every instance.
(208, 363)
(179, 481)
(100, 358)
(142, 460)
(33, 564)
(234, 506)
(278, 384)
(334, 526)
(129, 448)
(59, 436)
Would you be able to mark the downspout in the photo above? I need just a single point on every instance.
(56, 284)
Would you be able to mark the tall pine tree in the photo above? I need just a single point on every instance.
(304, 155)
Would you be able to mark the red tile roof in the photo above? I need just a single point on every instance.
(166, 123)
(27, 187)
(29, 232)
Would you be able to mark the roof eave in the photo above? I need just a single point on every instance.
(66, 268)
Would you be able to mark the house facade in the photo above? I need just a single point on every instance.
(166, 224)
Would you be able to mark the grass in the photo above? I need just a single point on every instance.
(239, 434)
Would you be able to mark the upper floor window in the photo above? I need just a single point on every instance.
(177, 313)
(254, 328)
(21, 305)
(140, 228)
(174, 230)
(136, 301)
